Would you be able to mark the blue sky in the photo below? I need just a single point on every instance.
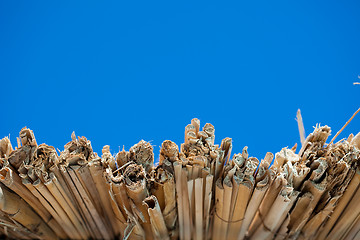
(120, 72)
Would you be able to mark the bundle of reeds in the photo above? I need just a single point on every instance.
(196, 192)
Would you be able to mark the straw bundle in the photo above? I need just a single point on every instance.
(196, 192)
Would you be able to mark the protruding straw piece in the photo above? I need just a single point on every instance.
(300, 126)
(337, 134)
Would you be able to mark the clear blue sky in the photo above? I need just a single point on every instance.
(121, 72)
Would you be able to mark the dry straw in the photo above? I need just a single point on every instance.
(197, 191)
